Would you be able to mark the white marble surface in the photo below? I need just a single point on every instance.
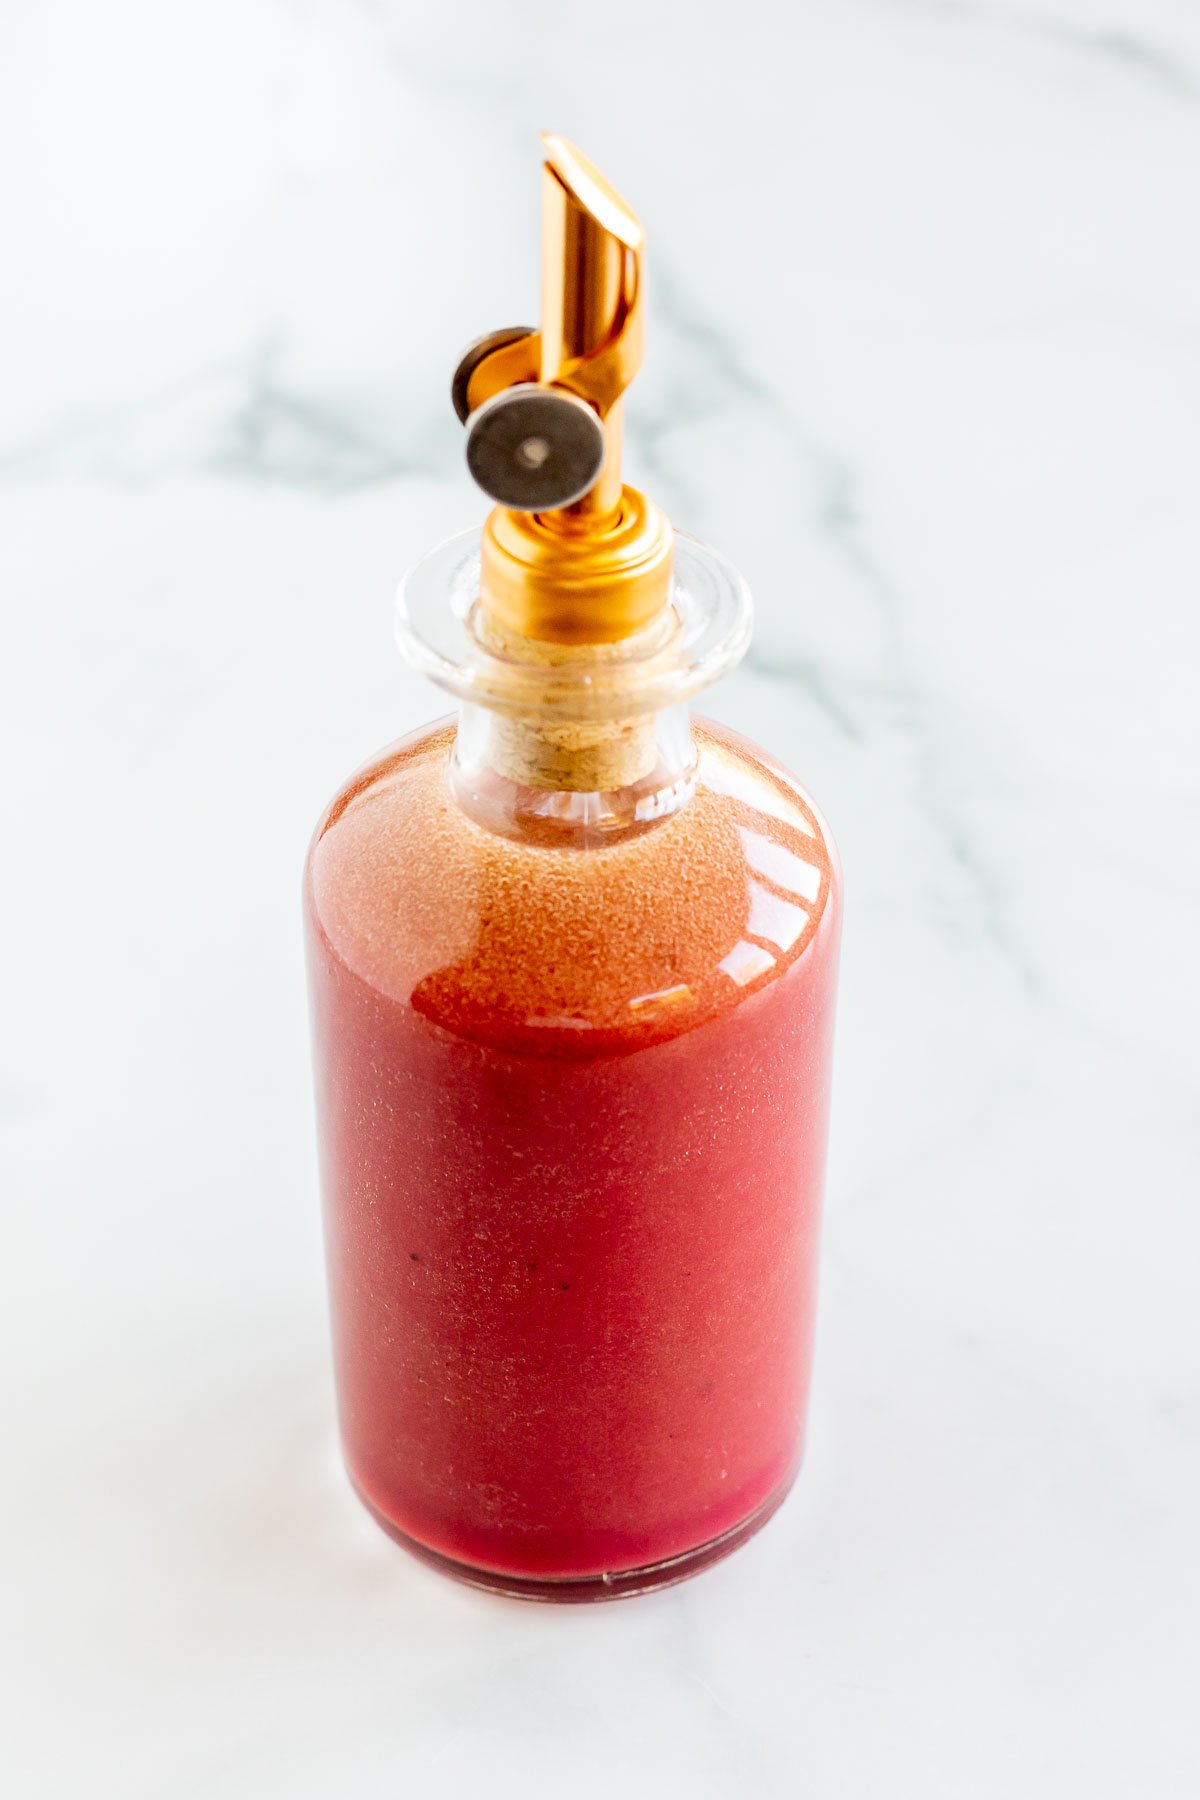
(924, 356)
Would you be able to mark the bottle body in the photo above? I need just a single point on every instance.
(572, 1114)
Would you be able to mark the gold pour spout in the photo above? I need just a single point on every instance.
(569, 554)
(592, 334)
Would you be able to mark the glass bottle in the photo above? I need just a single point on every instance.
(572, 967)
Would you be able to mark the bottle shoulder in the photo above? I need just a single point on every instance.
(567, 950)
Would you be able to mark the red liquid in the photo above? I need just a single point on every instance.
(572, 1108)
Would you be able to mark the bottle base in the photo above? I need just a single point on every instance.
(580, 1589)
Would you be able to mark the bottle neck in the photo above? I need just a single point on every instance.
(572, 743)
(572, 784)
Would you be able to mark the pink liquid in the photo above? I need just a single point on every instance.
(572, 1108)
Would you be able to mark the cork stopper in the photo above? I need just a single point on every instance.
(564, 754)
